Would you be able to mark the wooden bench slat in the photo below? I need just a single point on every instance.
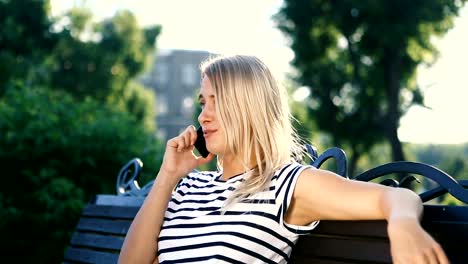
(455, 229)
(376, 229)
(115, 227)
(313, 260)
(110, 211)
(451, 223)
(97, 241)
(452, 235)
(116, 200)
(102, 228)
(78, 255)
(343, 249)
(445, 213)
(105, 221)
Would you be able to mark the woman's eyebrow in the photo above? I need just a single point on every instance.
(200, 97)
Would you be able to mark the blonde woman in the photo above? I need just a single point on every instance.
(254, 208)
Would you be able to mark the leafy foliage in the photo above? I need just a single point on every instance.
(452, 159)
(359, 60)
(108, 53)
(25, 41)
(71, 117)
(55, 155)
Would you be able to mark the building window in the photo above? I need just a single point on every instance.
(189, 74)
(187, 106)
(161, 104)
(161, 134)
(162, 73)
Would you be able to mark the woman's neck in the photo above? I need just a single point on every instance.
(232, 166)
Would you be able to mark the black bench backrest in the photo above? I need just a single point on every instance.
(367, 241)
(105, 221)
(101, 230)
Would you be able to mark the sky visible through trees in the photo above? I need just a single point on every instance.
(443, 83)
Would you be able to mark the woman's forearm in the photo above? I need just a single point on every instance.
(409, 242)
(141, 242)
(398, 203)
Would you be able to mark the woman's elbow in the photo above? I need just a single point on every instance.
(125, 259)
(132, 255)
(401, 201)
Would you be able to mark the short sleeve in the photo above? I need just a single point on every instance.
(286, 183)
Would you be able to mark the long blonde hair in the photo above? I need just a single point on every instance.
(254, 114)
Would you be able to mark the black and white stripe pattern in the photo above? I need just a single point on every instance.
(249, 231)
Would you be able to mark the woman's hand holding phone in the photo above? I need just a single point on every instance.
(179, 159)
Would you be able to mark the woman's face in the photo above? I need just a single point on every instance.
(214, 136)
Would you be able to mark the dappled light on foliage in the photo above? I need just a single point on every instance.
(56, 154)
(359, 59)
(72, 114)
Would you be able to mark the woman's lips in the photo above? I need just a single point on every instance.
(208, 132)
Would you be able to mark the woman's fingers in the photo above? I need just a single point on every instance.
(193, 134)
(180, 143)
(430, 257)
(186, 139)
(436, 255)
(190, 135)
(441, 255)
(412, 244)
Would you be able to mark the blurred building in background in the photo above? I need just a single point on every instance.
(175, 78)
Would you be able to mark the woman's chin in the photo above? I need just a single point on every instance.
(213, 149)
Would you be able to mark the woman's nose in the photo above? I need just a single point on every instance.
(207, 114)
(202, 117)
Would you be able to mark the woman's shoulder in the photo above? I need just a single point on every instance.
(288, 167)
(289, 170)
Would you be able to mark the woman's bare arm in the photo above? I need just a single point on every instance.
(323, 195)
(141, 242)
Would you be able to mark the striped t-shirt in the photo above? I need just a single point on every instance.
(249, 231)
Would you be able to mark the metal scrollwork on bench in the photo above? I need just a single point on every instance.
(127, 184)
(448, 184)
(336, 153)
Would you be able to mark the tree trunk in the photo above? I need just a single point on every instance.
(355, 155)
(397, 148)
(392, 82)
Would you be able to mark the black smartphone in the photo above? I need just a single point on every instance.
(200, 143)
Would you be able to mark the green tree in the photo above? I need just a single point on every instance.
(71, 116)
(453, 159)
(103, 56)
(56, 153)
(359, 59)
(25, 41)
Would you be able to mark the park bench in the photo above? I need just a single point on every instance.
(105, 220)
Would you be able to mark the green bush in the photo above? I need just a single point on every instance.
(55, 153)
